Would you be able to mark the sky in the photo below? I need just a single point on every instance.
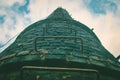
(102, 15)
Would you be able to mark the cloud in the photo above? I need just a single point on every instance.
(13, 18)
(40, 9)
(102, 15)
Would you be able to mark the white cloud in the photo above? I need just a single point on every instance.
(14, 22)
(40, 9)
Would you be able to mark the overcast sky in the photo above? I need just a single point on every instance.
(102, 15)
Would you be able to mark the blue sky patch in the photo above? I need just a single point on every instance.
(1, 44)
(24, 8)
(21, 9)
(2, 19)
(97, 7)
(101, 6)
